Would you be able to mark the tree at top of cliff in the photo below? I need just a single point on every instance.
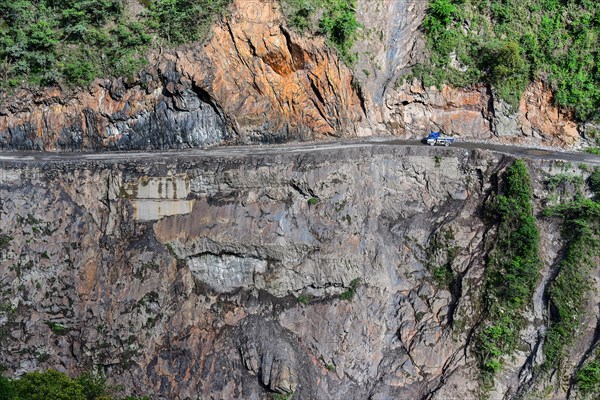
(74, 41)
(335, 19)
(509, 43)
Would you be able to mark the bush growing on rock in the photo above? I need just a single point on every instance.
(49, 385)
(336, 21)
(75, 41)
(569, 290)
(511, 272)
(508, 43)
(54, 385)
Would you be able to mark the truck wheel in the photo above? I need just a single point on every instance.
(432, 143)
(447, 144)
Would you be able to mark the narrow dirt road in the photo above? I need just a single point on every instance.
(266, 150)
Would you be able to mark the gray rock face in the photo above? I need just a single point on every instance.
(170, 113)
(227, 272)
(309, 275)
(178, 122)
(505, 122)
(390, 45)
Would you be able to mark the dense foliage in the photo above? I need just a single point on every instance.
(569, 290)
(54, 385)
(508, 43)
(587, 378)
(335, 19)
(182, 21)
(48, 41)
(512, 270)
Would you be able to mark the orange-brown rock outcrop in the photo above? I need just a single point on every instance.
(252, 80)
(477, 114)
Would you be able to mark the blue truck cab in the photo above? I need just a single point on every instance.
(437, 138)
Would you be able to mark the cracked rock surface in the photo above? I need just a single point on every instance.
(310, 275)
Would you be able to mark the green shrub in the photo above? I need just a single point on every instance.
(49, 41)
(5, 240)
(7, 390)
(79, 70)
(53, 385)
(93, 385)
(304, 299)
(593, 150)
(313, 201)
(506, 69)
(584, 167)
(334, 19)
(49, 385)
(57, 328)
(279, 396)
(300, 14)
(440, 15)
(588, 379)
(594, 183)
(181, 21)
(339, 25)
(510, 42)
(555, 181)
(568, 291)
(442, 243)
(349, 294)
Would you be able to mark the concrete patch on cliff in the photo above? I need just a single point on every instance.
(153, 198)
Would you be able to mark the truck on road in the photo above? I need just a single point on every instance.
(437, 138)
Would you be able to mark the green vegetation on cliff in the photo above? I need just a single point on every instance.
(568, 292)
(508, 43)
(512, 270)
(335, 19)
(43, 42)
(587, 379)
(183, 21)
(54, 385)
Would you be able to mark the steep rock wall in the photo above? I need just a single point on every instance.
(476, 114)
(237, 282)
(392, 43)
(252, 80)
(255, 80)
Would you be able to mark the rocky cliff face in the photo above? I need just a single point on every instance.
(308, 274)
(251, 81)
(392, 44)
(254, 80)
(476, 114)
